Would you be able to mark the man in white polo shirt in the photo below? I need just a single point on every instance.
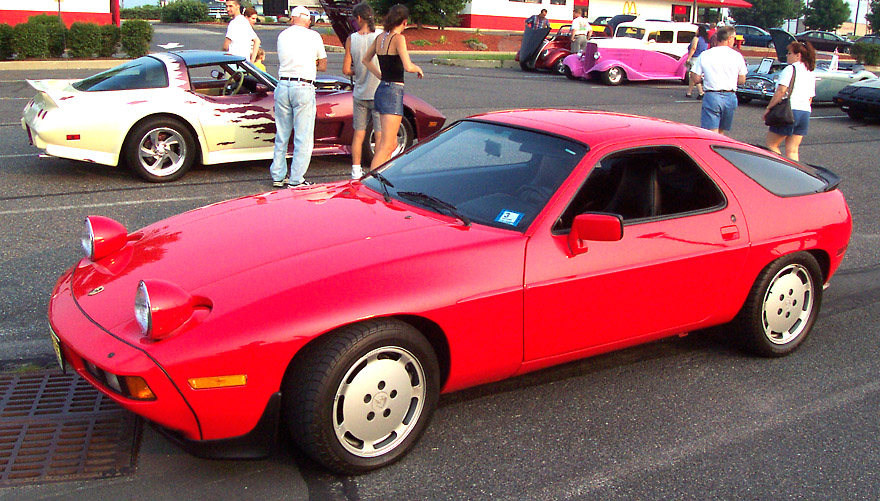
(240, 35)
(720, 69)
(301, 55)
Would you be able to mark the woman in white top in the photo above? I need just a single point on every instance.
(801, 60)
(365, 83)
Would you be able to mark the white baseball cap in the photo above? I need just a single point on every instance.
(300, 11)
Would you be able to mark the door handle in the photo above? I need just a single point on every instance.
(730, 232)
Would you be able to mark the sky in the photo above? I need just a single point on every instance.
(863, 6)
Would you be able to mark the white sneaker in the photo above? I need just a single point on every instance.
(357, 172)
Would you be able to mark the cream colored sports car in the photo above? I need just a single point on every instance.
(163, 112)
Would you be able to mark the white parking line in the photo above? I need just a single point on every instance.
(94, 206)
(13, 98)
(21, 155)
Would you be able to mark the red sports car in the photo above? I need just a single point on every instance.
(509, 242)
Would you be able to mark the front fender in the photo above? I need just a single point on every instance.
(574, 63)
(604, 65)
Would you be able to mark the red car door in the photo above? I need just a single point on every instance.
(683, 239)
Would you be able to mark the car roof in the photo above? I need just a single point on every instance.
(660, 25)
(199, 57)
(594, 128)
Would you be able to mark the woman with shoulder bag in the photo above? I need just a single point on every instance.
(797, 76)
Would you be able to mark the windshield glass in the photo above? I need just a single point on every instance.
(142, 73)
(491, 174)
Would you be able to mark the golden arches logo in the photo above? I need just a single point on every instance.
(630, 8)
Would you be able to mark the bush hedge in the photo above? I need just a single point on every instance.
(142, 12)
(136, 35)
(56, 33)
(866, 53)
(83, 40)
(5, 42)
(185, 11)
(30, 40)
(109, 34)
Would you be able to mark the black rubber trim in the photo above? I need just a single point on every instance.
(256, 444)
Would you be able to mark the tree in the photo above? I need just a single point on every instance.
(768, 13)
(826, 15)
(440, 13)
(873, 16)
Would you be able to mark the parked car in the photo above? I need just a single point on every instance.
(754, 36)
(474, 245)
(161, 113)
(543, 51)
(639, 50)
(860, 100)
(871, 39)
(824, 40)
(761, 82)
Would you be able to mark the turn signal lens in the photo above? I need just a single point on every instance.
(202, 383)
(102, 236)
(138, 388)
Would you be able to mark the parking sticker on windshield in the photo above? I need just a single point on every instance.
(509, 217)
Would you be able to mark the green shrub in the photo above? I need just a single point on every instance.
(421, 43)
(5, 42)
(56, 32)
(142, 12)
(30, 40)
(109, 34)
(135, 37)
(866, 53)
(83, 40)
(185, 11)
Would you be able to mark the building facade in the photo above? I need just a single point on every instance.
(511, 14)
(71, 11)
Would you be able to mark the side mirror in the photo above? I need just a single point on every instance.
(593, 227)
(217, 74)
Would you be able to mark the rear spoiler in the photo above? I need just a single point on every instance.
(341, 19)
(53, 91)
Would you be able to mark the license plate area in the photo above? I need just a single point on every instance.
(56, 344)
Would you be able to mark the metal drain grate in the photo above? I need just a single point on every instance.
(56, 427)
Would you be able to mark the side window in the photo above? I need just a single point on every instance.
(644, 183)
(776, 176)
(685, 36)
(665, 37)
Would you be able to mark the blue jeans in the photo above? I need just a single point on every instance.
(717, 110)
(295, 111)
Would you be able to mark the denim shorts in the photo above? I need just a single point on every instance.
(798, 128)
(361, 113)
(718, 109)
(388, 99)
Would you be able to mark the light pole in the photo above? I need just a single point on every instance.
(856, 23)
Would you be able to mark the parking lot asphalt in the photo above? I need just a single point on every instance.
(684, 418)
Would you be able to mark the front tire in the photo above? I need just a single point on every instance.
(559, 67)
(360, 398)
(568, 73)
(782, 306)
(160, 149)
(613, 76)
(405, 138)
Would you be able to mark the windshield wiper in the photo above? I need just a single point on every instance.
(383, 181)
(435, 203)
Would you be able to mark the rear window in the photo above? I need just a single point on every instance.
(776, 176)
(142, 73)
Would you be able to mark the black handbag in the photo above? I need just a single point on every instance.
(780, 115)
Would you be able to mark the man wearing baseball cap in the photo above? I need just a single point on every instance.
(301, 55)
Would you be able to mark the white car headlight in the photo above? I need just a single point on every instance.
(142, 310)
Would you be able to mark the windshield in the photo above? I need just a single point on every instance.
(142, 73)
(486, 173)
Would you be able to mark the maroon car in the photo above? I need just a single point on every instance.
(542, 51)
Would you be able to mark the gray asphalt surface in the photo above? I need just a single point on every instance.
(691, 417)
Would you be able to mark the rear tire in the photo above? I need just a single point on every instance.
(160, 149)
(405, 138)
(559, 67)
(360, 398)
(782, 306)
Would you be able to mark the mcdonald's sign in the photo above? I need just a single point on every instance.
(630, 8)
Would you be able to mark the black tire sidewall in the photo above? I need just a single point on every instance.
(325, 447)
(131, 147)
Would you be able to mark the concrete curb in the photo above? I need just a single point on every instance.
(67, 64)
(476, 63)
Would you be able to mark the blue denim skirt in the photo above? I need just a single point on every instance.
(388, 99)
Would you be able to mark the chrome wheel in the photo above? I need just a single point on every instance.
(162, 152)
(613, 76)
(788, 304)
(379, 401)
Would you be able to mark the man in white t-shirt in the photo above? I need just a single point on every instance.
(240, 35)
(580, 32)
(720, 69)
(301, 55)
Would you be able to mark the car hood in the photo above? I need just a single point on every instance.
(781, 39)
(341, 19)
(274, 241)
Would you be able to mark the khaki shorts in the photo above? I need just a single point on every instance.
(361, 114)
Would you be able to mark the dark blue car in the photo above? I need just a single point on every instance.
(754, 36)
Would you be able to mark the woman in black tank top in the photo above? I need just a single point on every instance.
(394, 61)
